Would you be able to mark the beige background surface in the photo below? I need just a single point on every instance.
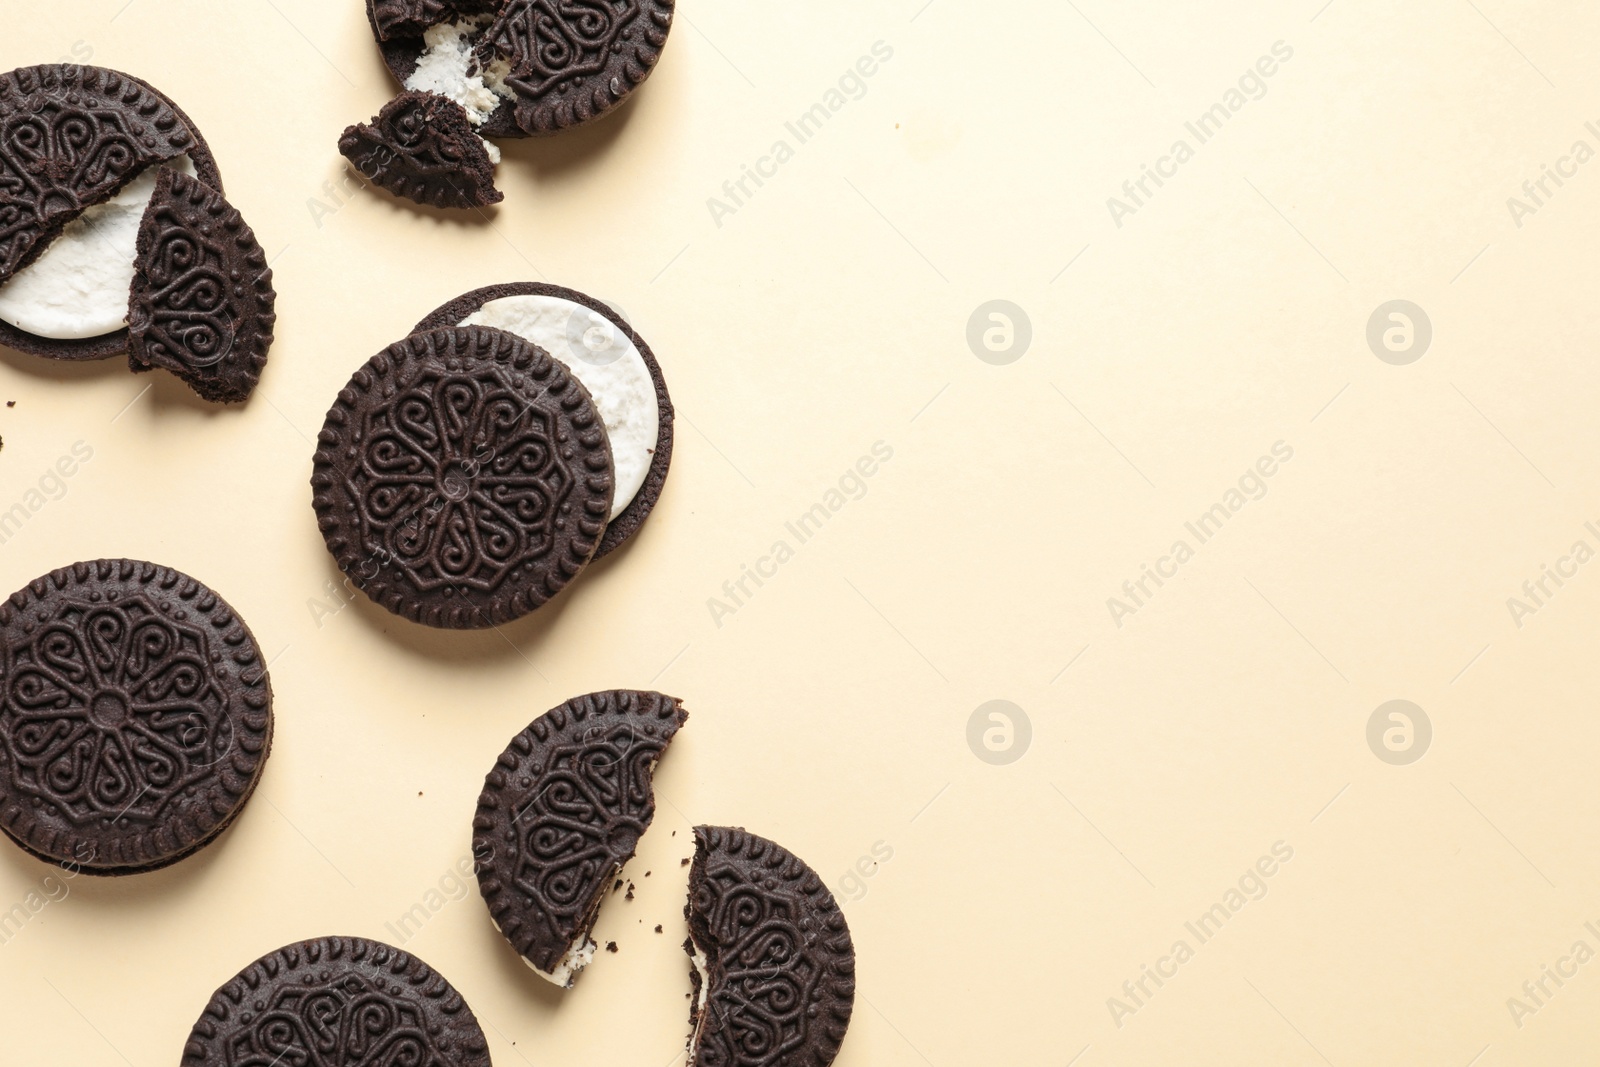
(830, 711)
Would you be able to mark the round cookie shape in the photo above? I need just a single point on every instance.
(774, 975)
(462, 478)
(135, 716)
(71, 138)
(644, 501)
(202, 302)
(561, 813)
(560, 63)
(337, 1002)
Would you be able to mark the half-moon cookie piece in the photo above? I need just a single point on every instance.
(462, 478)
(774, 967)
(614, 363)
(561, 813)
(135, 716)
(202, 299)
(337, 1002)
(422, 147)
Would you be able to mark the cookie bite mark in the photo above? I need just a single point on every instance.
(202, 302)
(422, 147)
(560, 815)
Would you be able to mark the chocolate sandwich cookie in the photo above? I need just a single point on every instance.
(135, 716)
(337, 1002)
(462, 478)
(423, 147)
(561, 813)
(774, 967)
(614, 364)
(533, 67)
(78, 147)
(202, 298)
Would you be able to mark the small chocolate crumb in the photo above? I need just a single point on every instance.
(611, 946)
(647, 874)
(617, 886)
(685, 863)
(658, 928)
(11, 403)
(630, 892)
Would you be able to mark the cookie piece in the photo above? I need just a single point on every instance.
(79, 149)
(135, 716)
(614, 364)
(337, 1002)
(202, 299)
(462, 478)
(422, 147)
(393, 19)
(774, 967)
(561, 813)
(539, 66)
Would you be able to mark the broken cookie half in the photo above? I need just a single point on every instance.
(202, 299)
(89, 159)
(422, 146)
(774, 967)
(561, 813)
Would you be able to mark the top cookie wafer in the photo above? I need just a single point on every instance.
(462, 478)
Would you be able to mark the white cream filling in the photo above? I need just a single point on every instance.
(493, 150)
(579, 956)
(80, 286)
(702, 967)
(447, 67)
(606, 361)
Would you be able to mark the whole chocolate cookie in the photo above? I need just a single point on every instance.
(462, 478)
(422, 147)
(572, 351)
(337, 1002)
(555, 64)
(71, 138)
(202, 300)
(774, 967)
(561, 813)
(135, 716)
